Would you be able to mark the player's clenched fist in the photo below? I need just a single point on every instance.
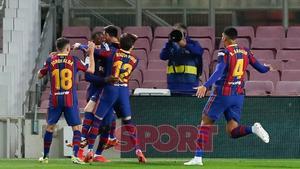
(201, 90)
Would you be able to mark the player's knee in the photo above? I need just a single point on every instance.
(76, 127)
(50, 128)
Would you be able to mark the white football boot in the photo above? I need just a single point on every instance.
(258, 130)
(194, 161)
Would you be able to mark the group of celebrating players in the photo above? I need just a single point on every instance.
(109, 64)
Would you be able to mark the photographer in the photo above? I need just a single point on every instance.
(185, 61)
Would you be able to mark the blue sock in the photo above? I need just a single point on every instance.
(203, 132)
(241, 131)
(47, 143)
(76, 141)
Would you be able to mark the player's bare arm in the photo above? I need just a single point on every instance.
(91, 68)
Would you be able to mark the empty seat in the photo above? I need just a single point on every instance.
(159, 43)
(276, 64)
(242, 42)
(266, 43)
(288, 88)
(77, 32)
(293, 32)
(290, 75)
(245, 32)
(202, 32)
(140, 31)
(78, 53)
(291, 65)
(142, 64)
(155, 79)
(270, 32)
(101, 29)
(286, 55)
(136, 79)
(162, 31)
(290, 43)
(263, 54)
(259, 88)
(206, 58)
(142, 44)
(157, 65)
(140, 54)
(82, 85)
(81, 94)
(78, 40)
(205, 43)
(154, 55)
(271, 76)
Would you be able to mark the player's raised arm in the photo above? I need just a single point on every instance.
(262, 68)
(91, 68)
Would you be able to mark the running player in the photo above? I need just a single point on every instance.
(228, 94)
(122, 64)
(63, 68)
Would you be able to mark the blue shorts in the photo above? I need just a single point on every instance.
(230, 106)
(93, 93)
(71, 115)
(114, 97)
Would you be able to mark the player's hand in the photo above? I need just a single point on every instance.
(76, 45)
(111, 79)
(270, 67)
(201, 90)
(91, 46)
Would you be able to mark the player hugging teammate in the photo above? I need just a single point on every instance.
(114, 64)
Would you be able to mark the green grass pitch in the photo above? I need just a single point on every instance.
(155, 164)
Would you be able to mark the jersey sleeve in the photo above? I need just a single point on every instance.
(222, 60)
(256, 65)
(80, 65)
(44, 70)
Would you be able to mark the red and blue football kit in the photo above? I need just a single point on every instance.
(123, 64)
(228, 82)
(63, 96)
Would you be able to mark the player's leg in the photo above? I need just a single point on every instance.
(129, 126)
(53, 116)
(107, 101)
(234, 128)
(104, 134)
(88, 118)
(112, 140)
(211, 112)
(88, 113)
(72, 117)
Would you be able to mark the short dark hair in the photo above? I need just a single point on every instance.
(127, 40)
(231, 33)
(180, 26)
(111, 30)
(95, 34)
(61, 43)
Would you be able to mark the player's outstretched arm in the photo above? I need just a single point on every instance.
(91, 68)
(213, 78)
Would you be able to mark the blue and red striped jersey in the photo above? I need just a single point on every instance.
(63, 70)
(232, 65)
(123, 65)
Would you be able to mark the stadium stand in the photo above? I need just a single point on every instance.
(259, 88)
(270, 32)
(293, 32)
(162, 31)
(288, 88)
